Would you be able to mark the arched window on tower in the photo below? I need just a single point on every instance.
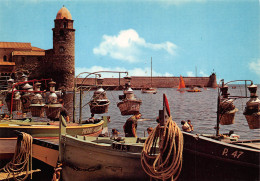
(61, 49)
(62, 35)
(5, 58)
(65, 25)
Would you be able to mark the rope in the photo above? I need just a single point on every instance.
(167, 163)
(22, 159)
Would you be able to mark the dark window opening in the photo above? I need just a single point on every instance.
(61, 33)
(23, 59)
(5, 58)
(64, 24)
(62, 49)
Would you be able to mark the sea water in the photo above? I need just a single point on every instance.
(200, 108)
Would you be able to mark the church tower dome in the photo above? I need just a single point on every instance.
(63, 13)
(63, 61)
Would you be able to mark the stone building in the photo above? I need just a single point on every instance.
(57, 63)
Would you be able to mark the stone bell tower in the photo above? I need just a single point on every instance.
(63, 57)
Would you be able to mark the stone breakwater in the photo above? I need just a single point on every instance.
(159, 82)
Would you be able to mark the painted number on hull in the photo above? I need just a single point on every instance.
(235, 154)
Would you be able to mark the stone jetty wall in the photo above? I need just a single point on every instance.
(159, 82)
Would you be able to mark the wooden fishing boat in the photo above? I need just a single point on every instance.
(194, 89)
(47, 129)
(150, 90)
(101, 159)
(203, 158)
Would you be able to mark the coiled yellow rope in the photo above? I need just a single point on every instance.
(22, 158)
(168, 162)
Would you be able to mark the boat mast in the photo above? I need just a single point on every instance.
(151, 73)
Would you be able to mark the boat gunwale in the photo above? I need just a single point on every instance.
(102, 146)
(231, 144)
(52, 126)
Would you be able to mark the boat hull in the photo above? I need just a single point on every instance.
(7, 130)
(208, 159)
(203, 159)
(85, 160)
(149, 91)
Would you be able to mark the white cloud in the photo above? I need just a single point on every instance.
(203, 74)
(179, 2)
(255, 66)
(190, 74)
(133, 72)
(129, 46)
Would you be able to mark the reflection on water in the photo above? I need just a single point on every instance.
(200, 108)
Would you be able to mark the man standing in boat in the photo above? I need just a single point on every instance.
(63, 111)
(131, 125)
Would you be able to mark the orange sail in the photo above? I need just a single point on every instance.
(181, 84)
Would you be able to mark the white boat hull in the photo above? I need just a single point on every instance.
(85, 160)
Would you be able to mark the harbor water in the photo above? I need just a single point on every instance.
(199, 107)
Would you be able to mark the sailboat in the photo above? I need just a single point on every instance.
(150, 89)
(181, 86)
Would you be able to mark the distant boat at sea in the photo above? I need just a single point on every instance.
(181, 86)
(150, 89)
(194, 89)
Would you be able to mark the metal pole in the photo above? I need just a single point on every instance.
(80, 106)
(245, 88)
(217, 133)
(74, 102)
(151, 73)
(119, 78)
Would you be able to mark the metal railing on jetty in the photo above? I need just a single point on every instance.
(88, 88)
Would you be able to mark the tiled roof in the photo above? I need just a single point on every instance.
(30, 53)
(7, 63)
(37, 49)
(16, 45)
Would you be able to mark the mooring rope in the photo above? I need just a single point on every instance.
(166, 164)
(22, 159)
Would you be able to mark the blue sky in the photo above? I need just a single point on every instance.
(123, 35)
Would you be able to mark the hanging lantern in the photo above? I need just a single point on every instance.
(16, 104)
(37, 105)
(27, 95)
(99, 103)
(227, 109)
(252, 110)
(52, 108)
(130, 105)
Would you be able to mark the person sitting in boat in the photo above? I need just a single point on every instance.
(115, 135)
(149, 130)
(185, 126)
(233, 136)
(63, 111)
(191, 126)
(91, 119)
(131, 125)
